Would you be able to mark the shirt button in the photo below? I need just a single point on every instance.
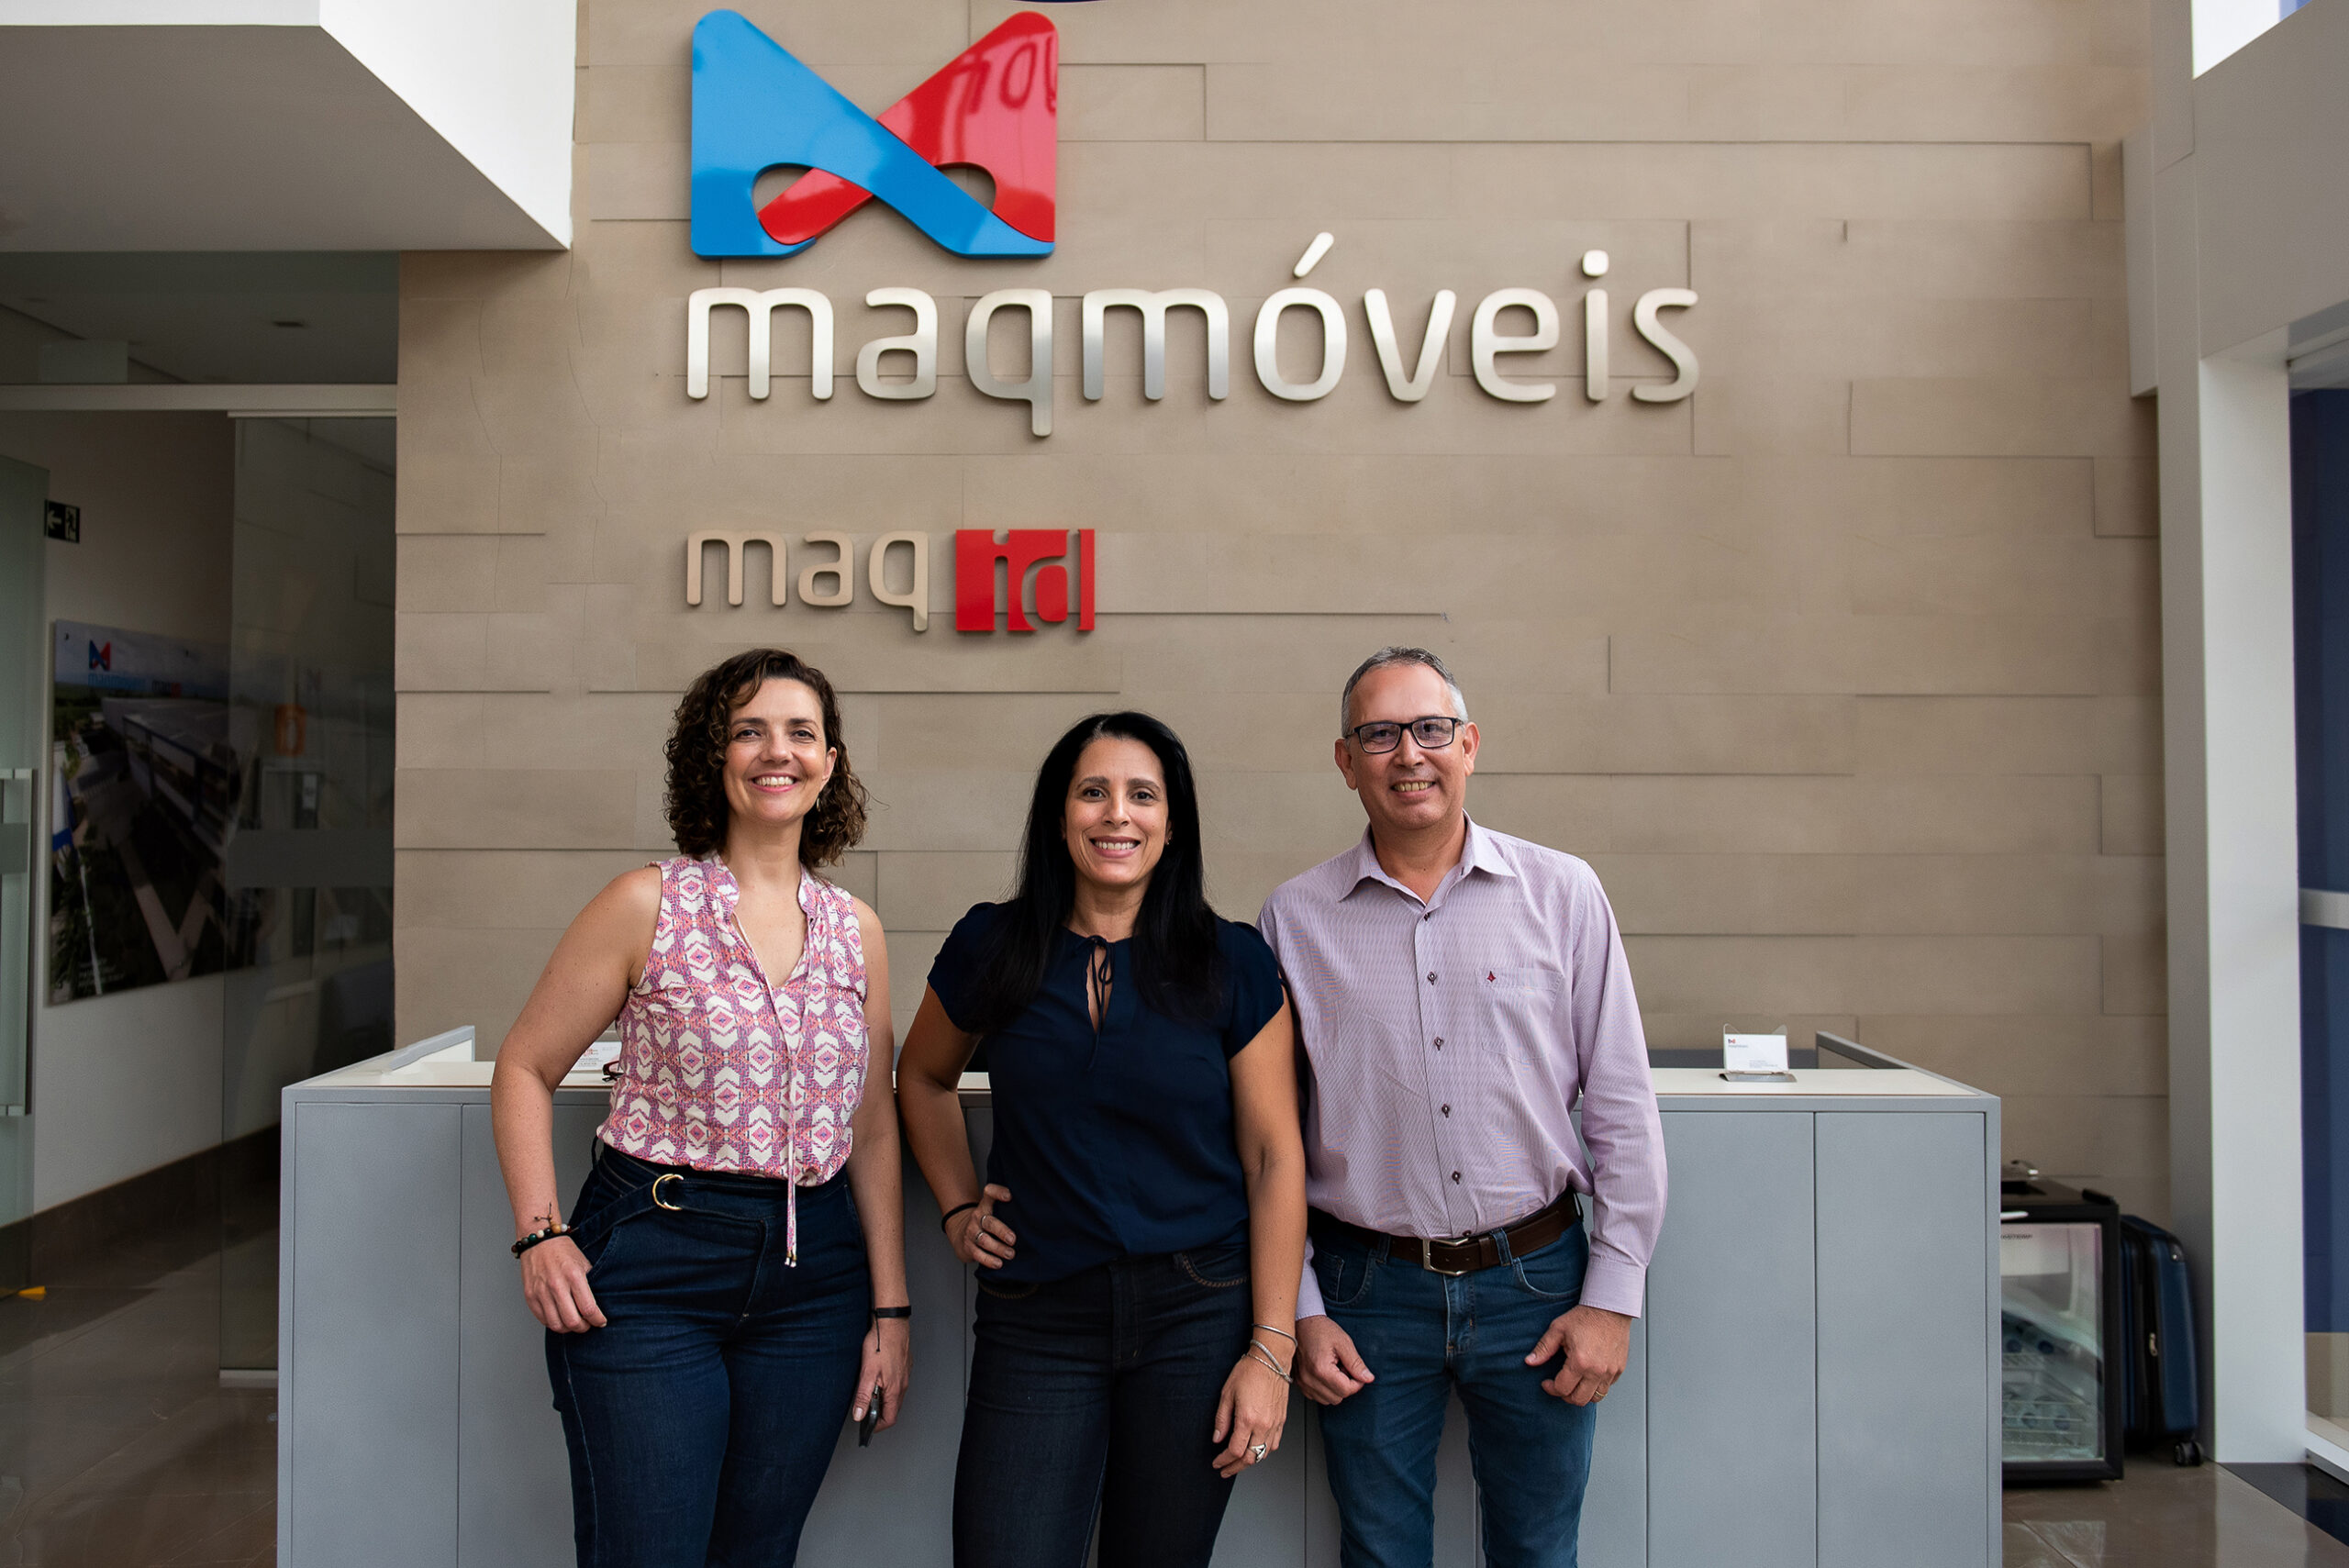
(1438, 1043)
(1447, 1110)
(1431, 977)
(1456, 1178)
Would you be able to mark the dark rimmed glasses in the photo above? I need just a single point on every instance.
(1430, 734)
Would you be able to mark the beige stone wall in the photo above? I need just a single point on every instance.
(1843, 674)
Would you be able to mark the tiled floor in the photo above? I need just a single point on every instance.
(118, 1449)
(2161, 1516)
(2309, 1492)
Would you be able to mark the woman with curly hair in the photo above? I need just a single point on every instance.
(714, 1307)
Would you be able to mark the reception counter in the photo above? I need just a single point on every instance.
(1815, 1381)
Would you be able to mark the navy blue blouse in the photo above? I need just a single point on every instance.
(1120, 1145)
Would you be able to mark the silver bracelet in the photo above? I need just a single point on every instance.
(1268, 1329)
(1257, 1352)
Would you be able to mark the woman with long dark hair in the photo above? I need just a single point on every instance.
(731, 1283)
(1141, 1231)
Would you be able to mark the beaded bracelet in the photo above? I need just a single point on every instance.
(535, 1237)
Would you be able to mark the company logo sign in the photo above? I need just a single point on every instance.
(1047, 573)
(1037, 564)
(995, 106)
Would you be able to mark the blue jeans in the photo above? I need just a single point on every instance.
(702, 1417)
(1098, 1392)
(1423, 1335)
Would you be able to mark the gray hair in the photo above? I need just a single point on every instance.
(1398, 655)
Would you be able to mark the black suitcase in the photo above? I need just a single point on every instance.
(2162, 1400)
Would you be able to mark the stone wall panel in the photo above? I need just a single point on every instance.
(1843, 674)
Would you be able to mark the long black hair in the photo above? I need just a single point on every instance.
(1176, 969)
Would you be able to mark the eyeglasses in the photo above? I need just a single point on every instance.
(1431, 733)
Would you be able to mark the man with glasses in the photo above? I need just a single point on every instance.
(1458, 993)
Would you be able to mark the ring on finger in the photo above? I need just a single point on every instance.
(1255, 1453)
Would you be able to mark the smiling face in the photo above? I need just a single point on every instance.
(1114, 819)
(776, 759)
(1412, 790)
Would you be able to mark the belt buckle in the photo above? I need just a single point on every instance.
(1427, 1255)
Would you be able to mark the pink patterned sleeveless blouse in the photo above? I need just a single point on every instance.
(722, 1069)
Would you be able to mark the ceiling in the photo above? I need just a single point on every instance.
(2319, 352)
(375, 443)
(218, 137)
(206, 316)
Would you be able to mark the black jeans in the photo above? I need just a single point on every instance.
(1098, 1392)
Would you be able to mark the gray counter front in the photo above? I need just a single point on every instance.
(1815, 1381)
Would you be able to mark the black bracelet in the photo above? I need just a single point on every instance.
(893, 1312)
(956, 1210)
(535, 1237)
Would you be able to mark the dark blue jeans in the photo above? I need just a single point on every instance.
(1423, 1335)
(1096, 1394)
(702, 1417)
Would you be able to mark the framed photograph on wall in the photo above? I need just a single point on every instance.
(146, 779)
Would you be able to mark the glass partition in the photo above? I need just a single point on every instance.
(2321, 673)
(1825, 1052)
(310, 861)
(23, 708)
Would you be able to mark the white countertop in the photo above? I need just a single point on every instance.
(1690, 1083)
(452, 1067)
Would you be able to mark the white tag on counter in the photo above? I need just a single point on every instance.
(1754, 1052)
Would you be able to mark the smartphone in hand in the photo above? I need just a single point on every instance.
(872, 1415)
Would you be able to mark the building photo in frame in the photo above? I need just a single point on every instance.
(144, 800)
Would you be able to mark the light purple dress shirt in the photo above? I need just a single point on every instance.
(1450, 1042)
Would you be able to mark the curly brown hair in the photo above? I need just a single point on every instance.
(696, 752)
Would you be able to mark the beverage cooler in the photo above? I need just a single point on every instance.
(2059, 1278)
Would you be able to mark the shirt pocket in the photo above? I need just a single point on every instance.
(1519, 1017)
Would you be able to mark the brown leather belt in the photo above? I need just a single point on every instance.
(1465, 1255)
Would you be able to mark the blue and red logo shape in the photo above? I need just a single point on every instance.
(994, 107)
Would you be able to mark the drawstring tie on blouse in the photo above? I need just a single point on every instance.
(1099, 963)
(791, 1105)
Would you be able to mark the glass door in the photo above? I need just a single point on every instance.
(310, 869)
(24, 666)
(2321, 673)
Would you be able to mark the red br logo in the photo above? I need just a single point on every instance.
(1036, 569)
